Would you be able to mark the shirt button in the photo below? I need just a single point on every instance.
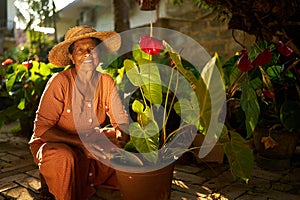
(89, 105)
(68, 110)
(90, 174)
(90, 120)
(92, 185)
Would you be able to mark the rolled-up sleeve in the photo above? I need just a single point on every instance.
(115, 108)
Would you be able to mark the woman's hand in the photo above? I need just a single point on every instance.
(101, 143)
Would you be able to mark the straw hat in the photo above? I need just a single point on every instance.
(59, 53)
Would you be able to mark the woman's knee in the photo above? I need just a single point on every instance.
(57, 153)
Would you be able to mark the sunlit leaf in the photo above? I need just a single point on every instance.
(11, 78)
(21, 104)
(133, 73)
(151, 83)
(137, 106)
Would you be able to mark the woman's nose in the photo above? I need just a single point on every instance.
(87, 54)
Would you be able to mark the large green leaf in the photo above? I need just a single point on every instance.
(250, 107)
(200, 86)
(214, 103)
(145, 140)
(231, 72)
(151, 83)
(39, 70)
(147, 77)
(188, 110)
(132, 72)
(239, 155)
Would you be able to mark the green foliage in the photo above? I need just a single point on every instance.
(23, 86)
(145, 139)
(153, 92)
(40, 13)
(239, 155)
(250, 107)
(250, 89)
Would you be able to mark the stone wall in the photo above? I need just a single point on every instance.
(204, 27)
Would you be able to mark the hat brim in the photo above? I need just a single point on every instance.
(59, 53)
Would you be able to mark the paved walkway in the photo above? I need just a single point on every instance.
(19, 178)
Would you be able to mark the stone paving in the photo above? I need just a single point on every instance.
(19, 178)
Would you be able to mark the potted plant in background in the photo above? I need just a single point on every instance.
(264, 84)
(22, 85)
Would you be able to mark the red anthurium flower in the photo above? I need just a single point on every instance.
(28, 64)
(269, 94)
(244, 63)
(150, 45)
(263, 58)
(8, 61)
(283, 49)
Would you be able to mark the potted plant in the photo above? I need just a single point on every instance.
(169, 104)
(158, 135)
(22, 84)
(264, 84)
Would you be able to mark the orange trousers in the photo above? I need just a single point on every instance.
(69, 174)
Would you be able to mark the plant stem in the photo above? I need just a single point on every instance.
(151, 33)
(166, 116)
(235, 85)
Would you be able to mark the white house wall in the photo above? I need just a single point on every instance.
(11, 12)
(104, 18)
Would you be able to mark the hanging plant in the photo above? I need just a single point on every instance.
(147, 4)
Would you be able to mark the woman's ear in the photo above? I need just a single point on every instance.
(71, 57)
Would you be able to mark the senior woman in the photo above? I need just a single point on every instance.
(74, 102)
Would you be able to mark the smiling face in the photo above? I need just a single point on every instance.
(84, 54)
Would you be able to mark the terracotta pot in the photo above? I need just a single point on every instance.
(153, 185)
(278, 157)
(215, 155)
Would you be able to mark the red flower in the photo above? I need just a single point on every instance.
(283, 49)
(244, 63)
(269, 94)
(8, 61)
(263, 58)
(150, 45)
(28, 64)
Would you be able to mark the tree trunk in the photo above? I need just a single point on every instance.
(121, 15)
(54, 22)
